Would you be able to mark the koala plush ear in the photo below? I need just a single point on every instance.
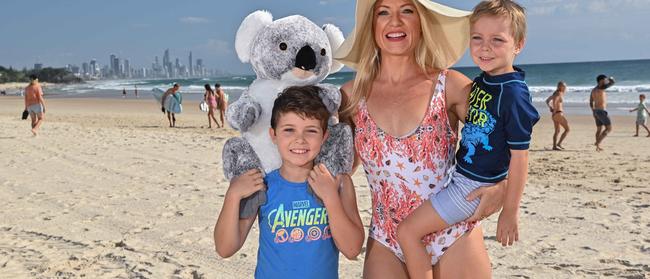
(247, 31)
(335, 36)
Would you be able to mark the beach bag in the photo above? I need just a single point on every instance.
(203, 106)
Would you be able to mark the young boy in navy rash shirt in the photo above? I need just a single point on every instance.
(495, 138)
(299, 237)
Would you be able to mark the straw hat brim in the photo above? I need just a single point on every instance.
(453, 22)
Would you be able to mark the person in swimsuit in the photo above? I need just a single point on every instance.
(211, 99)
(34, 103)
(555, 104)
(598, 104)
(641, 115)
(222, 103)
(405, 107)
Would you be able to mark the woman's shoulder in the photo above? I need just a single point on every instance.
(346, 88)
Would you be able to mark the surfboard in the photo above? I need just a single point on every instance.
(172, 103)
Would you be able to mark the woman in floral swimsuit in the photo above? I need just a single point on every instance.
(405, 108)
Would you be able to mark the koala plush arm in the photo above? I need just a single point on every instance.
(243, 113)
(331, 97)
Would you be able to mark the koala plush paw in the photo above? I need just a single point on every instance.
(337, 153)
(238, 158)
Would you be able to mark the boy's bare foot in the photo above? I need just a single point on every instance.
(34, 132)
(598, 148)
(560, 147)
(636, 135)
(556, 148)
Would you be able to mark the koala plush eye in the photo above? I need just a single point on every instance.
(283, 46)
(323, 52)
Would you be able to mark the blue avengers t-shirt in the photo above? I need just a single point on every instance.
(295, 237)
(500, 117)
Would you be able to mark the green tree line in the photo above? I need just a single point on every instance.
(51, 75)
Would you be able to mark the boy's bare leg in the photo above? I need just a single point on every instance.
(169, 117)
(637, 130)
(424, 220)
(646, 128)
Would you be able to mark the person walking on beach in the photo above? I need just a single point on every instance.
(123, 93)
(170, 115)
(641, 115)
(210, 97)
(555, 104)
(598, 104)
(135, 92)
(34, 103)
(222, 103)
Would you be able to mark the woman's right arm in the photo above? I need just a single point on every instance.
(549, 100)
(230, 232)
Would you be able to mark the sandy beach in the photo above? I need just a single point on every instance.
(107, 190)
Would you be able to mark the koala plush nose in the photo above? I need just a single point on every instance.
(306, 59)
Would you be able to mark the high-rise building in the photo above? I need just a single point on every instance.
(127, 69)
(85, 69)
(94, 68)
(191, 68)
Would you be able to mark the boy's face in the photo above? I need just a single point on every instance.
(492, 45)
(298, 139)
(641, 98)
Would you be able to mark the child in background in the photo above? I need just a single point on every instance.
(299, 237)
(495, 138)
(641, 115)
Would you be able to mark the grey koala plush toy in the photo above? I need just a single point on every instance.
(291, 51)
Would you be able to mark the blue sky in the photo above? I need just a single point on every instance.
(74, 31)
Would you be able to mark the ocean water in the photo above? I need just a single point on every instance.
(632, 78)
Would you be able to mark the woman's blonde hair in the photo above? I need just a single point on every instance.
(426, 53)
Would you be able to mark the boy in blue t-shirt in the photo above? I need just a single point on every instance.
(495, 138)
(299, 236)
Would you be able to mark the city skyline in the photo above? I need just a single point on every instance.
(122, 68)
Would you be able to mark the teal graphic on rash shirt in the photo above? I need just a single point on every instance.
(479, 123)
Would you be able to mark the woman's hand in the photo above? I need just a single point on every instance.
(491, 200)
(247, 184)
(325, 186)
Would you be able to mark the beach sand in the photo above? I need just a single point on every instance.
(108, 190)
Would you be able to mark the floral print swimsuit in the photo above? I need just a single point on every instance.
(403, 171)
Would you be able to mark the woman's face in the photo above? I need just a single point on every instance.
(396, 27)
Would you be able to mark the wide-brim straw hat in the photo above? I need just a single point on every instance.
(454, 24)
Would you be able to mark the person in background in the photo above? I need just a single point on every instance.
(135, 91)
(598, 104)
(170, 93)
(34, 103)
(124, 93)
(222, 103)
(555, 104)
(210, 97)
(641, 115)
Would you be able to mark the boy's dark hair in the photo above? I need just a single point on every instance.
(600, 77)
(33, 77)
(301, 100)
(217, 85)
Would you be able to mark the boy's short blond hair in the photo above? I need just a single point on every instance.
(507, 8)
